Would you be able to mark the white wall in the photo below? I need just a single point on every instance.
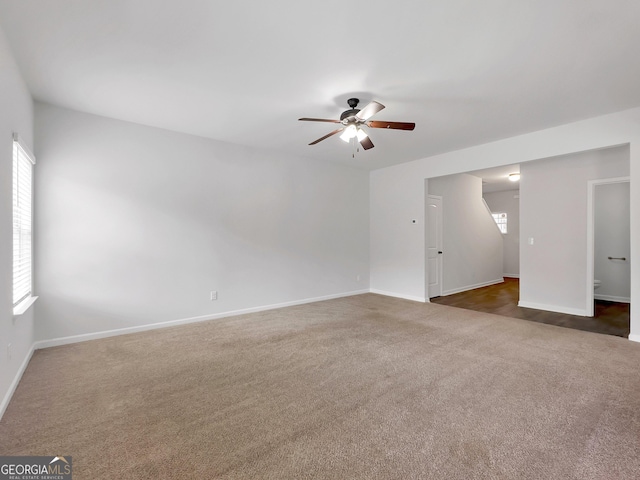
(136, 225)
(397, 194)
(509, 203)
(472, 243)
(16, 115)
(553, 209)
(611, 239)
(397, 245)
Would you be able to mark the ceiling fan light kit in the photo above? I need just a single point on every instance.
(353, 119)
(352, 131)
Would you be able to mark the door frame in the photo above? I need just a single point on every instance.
(439, 241)
(591, 190)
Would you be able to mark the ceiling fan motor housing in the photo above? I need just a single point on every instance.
(349, 113)
(353, 103)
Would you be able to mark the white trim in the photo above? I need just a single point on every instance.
(555, 308)
(511, 275)
(172, 323)
(16, 380)
(591, 189)
(612, 298)
(23, 306)
(400, 295)
(17, 138)
(472, 287)
(634, 338)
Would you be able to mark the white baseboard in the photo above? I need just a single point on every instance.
(400, 295)
(473, 287)
(122, 331)
(554, 308)
(634, 338)
(511, 275)
(184, 321)
(612, 298)
(16, 381)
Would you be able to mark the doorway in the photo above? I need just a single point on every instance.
(608, 242)
(434, 245)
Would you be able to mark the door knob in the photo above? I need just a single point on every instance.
(439, 252)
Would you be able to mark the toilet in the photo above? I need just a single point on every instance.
(596, 284)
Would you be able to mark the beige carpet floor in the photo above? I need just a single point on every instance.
(364, 387)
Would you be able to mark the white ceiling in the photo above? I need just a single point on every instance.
(497, 179)
(466, 71)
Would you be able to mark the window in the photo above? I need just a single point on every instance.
(23, 162)
(501, 221)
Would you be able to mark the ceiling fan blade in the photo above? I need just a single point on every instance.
(366, 143)
(318, 120)
(369, 110)
(326, 136)
(392, 125)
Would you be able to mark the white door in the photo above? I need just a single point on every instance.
(434, 245)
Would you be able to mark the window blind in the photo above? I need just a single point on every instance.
(23, 162)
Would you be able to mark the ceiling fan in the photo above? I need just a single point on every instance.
(353, 119)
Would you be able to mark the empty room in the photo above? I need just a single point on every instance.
(222, 226)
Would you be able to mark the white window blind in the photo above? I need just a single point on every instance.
(23, 162)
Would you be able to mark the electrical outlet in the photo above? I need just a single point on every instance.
(357, 278)
(214, 295)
